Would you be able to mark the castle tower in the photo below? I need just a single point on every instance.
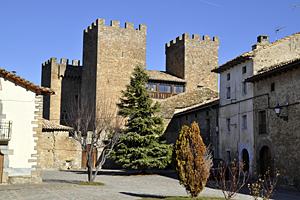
(110, 54)
(65, 80)
(193, 59)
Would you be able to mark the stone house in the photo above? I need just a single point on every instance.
(21, 105)
(277, 135)
(58, 150)
(205, 114)
(237, 111)
(110, 53)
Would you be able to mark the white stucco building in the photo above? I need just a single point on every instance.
(236, 111)
(20, 124)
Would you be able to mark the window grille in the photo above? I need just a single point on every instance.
(5, 130)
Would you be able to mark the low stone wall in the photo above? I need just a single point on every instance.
(24, 179)
(58, 151)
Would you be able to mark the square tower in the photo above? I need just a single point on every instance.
(193, 59)
(110, 54)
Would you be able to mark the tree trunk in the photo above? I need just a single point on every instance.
(90, 169)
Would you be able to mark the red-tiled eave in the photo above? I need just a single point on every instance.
(274, 69)
(48, 125)
(29, 85)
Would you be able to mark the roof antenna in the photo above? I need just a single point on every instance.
(277, 30)
(295, 6)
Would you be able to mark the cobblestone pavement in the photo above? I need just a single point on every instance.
(118, 185)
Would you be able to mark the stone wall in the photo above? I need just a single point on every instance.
(65, 80)
(193, 59)
(282, 50)
(281, 137)
(58, 151)
(205, 114)
(180, 101)
(110, 55)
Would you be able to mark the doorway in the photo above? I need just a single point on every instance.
(245, 157)
(265, 160)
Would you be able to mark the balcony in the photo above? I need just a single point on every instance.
(5, 130)
(161, 95)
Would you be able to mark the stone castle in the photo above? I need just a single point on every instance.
(110, 54)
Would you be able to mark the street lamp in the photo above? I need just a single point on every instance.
(277, 111)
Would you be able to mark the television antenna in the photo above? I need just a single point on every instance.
(277, 30)
(295, 6)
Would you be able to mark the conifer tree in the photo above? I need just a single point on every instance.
(188, 154)
(142, 146)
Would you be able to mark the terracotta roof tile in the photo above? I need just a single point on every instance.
(28, 84)
(48, 125)
(165, 76)
(216, 100)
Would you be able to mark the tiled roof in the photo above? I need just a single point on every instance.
(248, 55)
(18, 80)
(164, 76)
(202, 104)
(48, 125)
(275, 68)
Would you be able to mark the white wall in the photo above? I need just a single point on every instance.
(19, 106)
(239, 137)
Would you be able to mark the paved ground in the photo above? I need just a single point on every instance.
(62, 185)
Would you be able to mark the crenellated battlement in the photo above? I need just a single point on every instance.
(195, 38)
(114, 24)
(63, 61)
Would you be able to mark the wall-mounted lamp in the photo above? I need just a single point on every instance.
(277, 111)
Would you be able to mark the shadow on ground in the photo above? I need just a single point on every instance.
(60, 181)
(129, 172)
(144, 195)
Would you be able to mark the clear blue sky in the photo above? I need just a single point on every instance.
(33, 31)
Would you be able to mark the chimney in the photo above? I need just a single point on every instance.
(262, 41)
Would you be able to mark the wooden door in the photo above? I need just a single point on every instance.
(84, 160)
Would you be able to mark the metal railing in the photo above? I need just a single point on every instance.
(5, 130)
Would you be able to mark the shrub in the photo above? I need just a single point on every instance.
(188, 155)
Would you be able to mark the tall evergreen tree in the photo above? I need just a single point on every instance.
(142, 146)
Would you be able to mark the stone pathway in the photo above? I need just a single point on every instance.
(62, 185)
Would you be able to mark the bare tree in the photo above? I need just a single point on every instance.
(229, 178)
(97, 129)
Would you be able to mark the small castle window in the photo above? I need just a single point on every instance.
(228, 93)
(272, 87)
(244, 122)
(228, 124)
(244, 88)
(123, 54)
(244, 70)
(228, 76)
